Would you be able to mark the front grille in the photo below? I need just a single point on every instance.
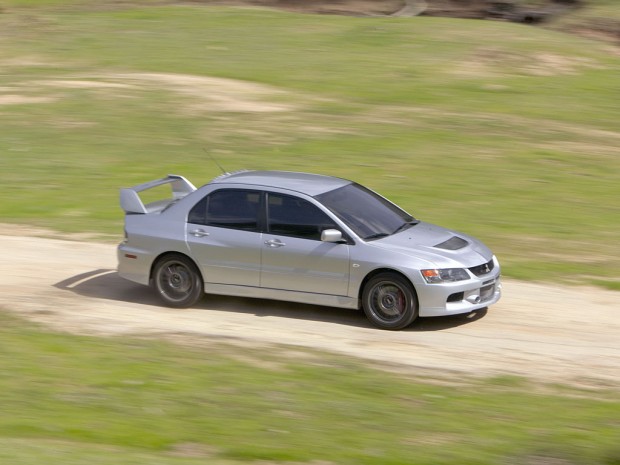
(483, 269)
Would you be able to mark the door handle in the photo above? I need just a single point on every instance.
(199, 233)
(274, 243)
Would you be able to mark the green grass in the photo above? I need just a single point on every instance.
(504, 131)
(71, 400)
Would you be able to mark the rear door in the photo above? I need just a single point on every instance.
(224, 237)
(294, 257)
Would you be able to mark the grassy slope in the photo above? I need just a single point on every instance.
(74, 400)
(501, 130)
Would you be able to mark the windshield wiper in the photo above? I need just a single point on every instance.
(376, 236)
(406, 225)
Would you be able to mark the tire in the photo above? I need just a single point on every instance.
(389, 301)
(177, 281)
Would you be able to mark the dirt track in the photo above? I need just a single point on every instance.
(542, 332)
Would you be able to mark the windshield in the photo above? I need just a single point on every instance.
(368, 214)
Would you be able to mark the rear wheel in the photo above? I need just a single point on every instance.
(177, 281)
(389, 301)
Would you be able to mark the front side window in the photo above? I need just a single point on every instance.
(292, 216)
(228, 208)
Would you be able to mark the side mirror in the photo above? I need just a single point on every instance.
(331, 235)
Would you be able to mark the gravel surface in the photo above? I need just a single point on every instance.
(547, 333)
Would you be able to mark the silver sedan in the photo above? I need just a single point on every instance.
(301, 237)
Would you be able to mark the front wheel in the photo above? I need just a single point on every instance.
(177, 281)
(389, 301)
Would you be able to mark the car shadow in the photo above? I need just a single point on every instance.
(108, 285)
(440, 323)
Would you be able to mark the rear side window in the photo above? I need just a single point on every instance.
(292, 216)
(228, 208)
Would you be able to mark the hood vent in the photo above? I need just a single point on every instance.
(454, 243)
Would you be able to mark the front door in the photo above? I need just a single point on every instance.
(293, 256)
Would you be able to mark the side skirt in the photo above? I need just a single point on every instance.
(278, 294)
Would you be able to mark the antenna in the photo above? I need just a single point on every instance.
(215, 161)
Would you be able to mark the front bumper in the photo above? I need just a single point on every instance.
(460, 297)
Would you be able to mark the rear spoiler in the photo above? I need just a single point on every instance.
(132, 203)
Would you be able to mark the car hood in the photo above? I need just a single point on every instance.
(438, 246)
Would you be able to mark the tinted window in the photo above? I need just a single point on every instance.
(366, 213)
(228, 208)
(292, 216)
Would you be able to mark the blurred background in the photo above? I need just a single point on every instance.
(497, 118)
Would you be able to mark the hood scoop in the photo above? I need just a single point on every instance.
(454, 243)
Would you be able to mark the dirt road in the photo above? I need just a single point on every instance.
(542, 332)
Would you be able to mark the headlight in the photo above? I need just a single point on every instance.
(447, 275)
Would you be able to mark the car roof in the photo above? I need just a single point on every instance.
(305, 183)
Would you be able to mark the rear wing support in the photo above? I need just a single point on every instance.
(132, 203)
